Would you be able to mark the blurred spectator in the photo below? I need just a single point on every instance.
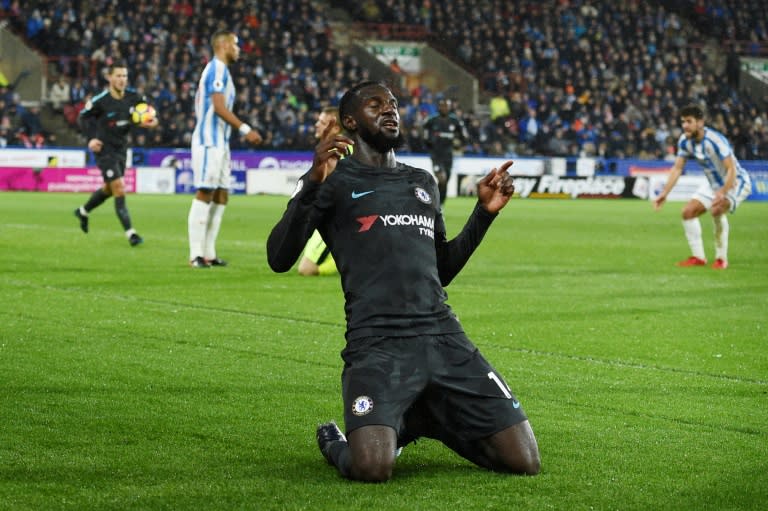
(77, 92)
(59, 94)
(31, 131)
(529, 127)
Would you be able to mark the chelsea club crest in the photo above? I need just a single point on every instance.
(422, 195)
(362, 405)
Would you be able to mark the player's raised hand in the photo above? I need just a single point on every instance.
(496, 188)
(328, 152)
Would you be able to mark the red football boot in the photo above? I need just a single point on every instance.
(692, 261)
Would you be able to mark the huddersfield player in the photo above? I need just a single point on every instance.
(728, 185)
(214, 98)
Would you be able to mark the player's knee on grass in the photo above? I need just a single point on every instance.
(372, 450)
(514, 450)
(372, 469)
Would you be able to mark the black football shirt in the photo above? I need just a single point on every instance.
(439, 133)
(386, 232)
(109, 119)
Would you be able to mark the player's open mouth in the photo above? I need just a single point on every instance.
(390, 124)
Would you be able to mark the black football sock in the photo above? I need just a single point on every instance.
(95, 200)
(122, 212)
(339, 453)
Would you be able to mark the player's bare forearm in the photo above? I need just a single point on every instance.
(730, 177)
(674, 175)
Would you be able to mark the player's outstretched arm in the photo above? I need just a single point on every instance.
(674, 175)
(493, 192)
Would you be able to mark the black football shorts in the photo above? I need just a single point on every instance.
(112, 166)
(442, 379)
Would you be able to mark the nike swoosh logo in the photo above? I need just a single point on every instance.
(515, 404)
(357, 195)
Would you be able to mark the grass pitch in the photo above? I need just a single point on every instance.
(130, 381)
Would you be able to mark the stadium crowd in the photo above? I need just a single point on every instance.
(563, 77)
(20, 125)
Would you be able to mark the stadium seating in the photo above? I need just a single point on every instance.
(601, 78)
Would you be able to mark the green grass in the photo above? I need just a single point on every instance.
(130, 381)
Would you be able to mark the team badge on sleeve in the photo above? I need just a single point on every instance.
(362, 405)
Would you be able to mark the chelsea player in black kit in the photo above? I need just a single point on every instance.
(439, 133)
(106, 121)
(409, 369)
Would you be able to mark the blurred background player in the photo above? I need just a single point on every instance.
(317, 258)
(728, 185)
(210, 150)
(440, 132)
(106, 121)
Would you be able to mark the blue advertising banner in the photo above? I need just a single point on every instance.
(243, 161)
(759, 185)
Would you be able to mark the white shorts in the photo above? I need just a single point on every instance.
(735, 195)
(211, 167)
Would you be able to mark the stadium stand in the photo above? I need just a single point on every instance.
(570, 77)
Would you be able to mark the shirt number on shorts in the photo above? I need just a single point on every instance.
(501, 384)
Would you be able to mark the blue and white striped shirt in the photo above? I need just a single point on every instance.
(211, 130)
(711, 152)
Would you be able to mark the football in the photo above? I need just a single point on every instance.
(142, 113)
